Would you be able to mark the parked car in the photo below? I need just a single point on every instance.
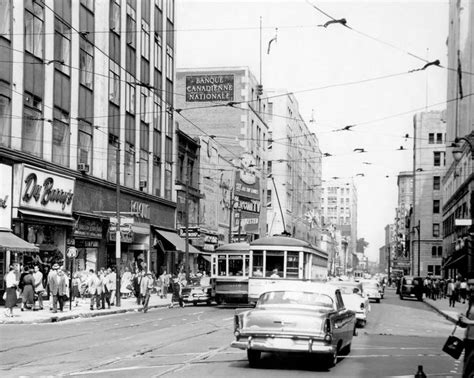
(300, 317)
(372, 289)
(197, 291)
(354, 299)
(411, 287)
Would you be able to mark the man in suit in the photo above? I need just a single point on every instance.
(93, 286)
(53, 283)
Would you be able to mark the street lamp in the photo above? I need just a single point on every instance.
(457, 153)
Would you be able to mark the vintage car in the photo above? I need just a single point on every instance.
(354, 299)
(411, 287)
(372, 289)
(198, 290)
(300, 317)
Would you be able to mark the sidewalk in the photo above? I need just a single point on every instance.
(442, 307)
(81, 311)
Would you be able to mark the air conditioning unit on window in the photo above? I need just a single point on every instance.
(84, 168)
(142, 184)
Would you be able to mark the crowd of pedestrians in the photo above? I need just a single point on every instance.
(454, 289)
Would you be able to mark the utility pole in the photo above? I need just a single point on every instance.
(389, 262)
(117, 229)
(419, 245)
(240, 221)
(186, 219)
(231, 206)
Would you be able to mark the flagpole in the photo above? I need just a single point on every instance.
(260, 50)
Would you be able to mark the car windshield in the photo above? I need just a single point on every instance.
(295, 298)
(349, 289)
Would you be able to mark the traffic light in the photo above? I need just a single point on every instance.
(259, 89)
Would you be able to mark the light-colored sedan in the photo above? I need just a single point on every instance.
(372, 289)
(354, 299)
(296, 317)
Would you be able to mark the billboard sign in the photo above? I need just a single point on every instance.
(206, 88)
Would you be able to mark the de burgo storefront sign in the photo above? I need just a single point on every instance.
(40, 190)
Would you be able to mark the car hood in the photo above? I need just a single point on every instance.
(283, 321)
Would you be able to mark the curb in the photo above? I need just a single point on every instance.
(56, 319)
(448, 317)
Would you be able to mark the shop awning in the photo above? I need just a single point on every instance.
(47, 218)
(178, 242)
(453, 261)
(206, 257)
(11, 242)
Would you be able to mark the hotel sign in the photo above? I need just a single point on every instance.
(44, 191)
(207, 88)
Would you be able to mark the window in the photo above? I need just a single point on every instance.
(114, 16)
(131, 29)
(143, 174)
(170, 34)
(170, 10)
(437, 159)
(158, 53)
(169, 63)
(114, 83)
(437, 271)
(32, 131)
(145, 41)
(436, 230)
(439, 138)
(62, 46)
(274, 260)
(436, 182)
(168, 183)
(84, 144)
(269, 198)
(431, 138)
(89, 4)
(86, 63)
(129, 165)
(430, 269)
(156, 176)
(5, 120)
(143, 112)
(440, 251)
(61, 137)
(434, 250)
(236, 265)
(5, 18)
(436, 205)
(146, 10)
(130, 98)
(34, 20)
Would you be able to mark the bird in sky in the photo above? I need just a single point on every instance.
(359, 150)
(327, 154)
(401, 148)
(346, 128)
(433, 63)
(366, 163)
(360, 174)
(341, 21)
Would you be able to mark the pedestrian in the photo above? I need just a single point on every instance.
(28, 290)
(457, 287)
(111, 285)
(93, 284)
(53, 284)
(136, 285)
(451, 293)
(468, 322)
(463, 290)
(165, 283)
(177, 293)
(63, 288)
(39, 288)
(104, 291)
(75, 292)
(126, 283)
(11, 285)
(146, 286)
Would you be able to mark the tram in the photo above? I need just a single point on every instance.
(279, 258)
(230, 273)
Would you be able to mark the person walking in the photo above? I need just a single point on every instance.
(126, 283)
(463, 290)
(146, 286)
(63, 288)
(93, 284)
(28, 291)
(39, 288)
(11, 284)
(450, 293)
(164, 283)
(75, 292)
(467, 321)
(53, 284)
(104, 291)
(111, 285)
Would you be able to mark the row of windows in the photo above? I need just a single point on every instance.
(436, 251)
(439, 159)
(439, 138)
(434, 270)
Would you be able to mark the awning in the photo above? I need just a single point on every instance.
(11, 242)
(452, 261)
(207, 257)
(178, 242)
(47, 218)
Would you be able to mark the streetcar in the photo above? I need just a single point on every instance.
(230, 273)
(278, 258)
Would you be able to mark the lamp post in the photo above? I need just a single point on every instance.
(417, 228)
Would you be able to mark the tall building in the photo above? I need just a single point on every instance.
(86, 89)
(429, 160)
(339, 209)
(294, 163)
(405, 197)
(227, 103)
(458, 182)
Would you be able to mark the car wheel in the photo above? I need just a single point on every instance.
(331, 359)
(401, 297)
(195, 303)
(254, 357)
(377, 300)
(361, 324)
(347, 348)
(208, 303)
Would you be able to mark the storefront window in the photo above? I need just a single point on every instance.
(236, 265)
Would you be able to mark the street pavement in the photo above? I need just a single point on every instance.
(194, 342)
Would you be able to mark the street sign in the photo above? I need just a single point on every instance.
(71, 252)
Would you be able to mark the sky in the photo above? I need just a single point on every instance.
(340, 76)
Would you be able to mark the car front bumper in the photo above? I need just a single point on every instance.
(276, 344)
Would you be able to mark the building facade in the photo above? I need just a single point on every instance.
(227, 104)
(401, 258)
(429, 162)
(78, 108)
(294, 166)
(458, 182)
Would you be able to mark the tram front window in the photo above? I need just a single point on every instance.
(221, 265)
(236, 265)
(274, 261)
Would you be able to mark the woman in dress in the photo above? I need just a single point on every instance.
(11, 283)
(28, 290)
(126, 283)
